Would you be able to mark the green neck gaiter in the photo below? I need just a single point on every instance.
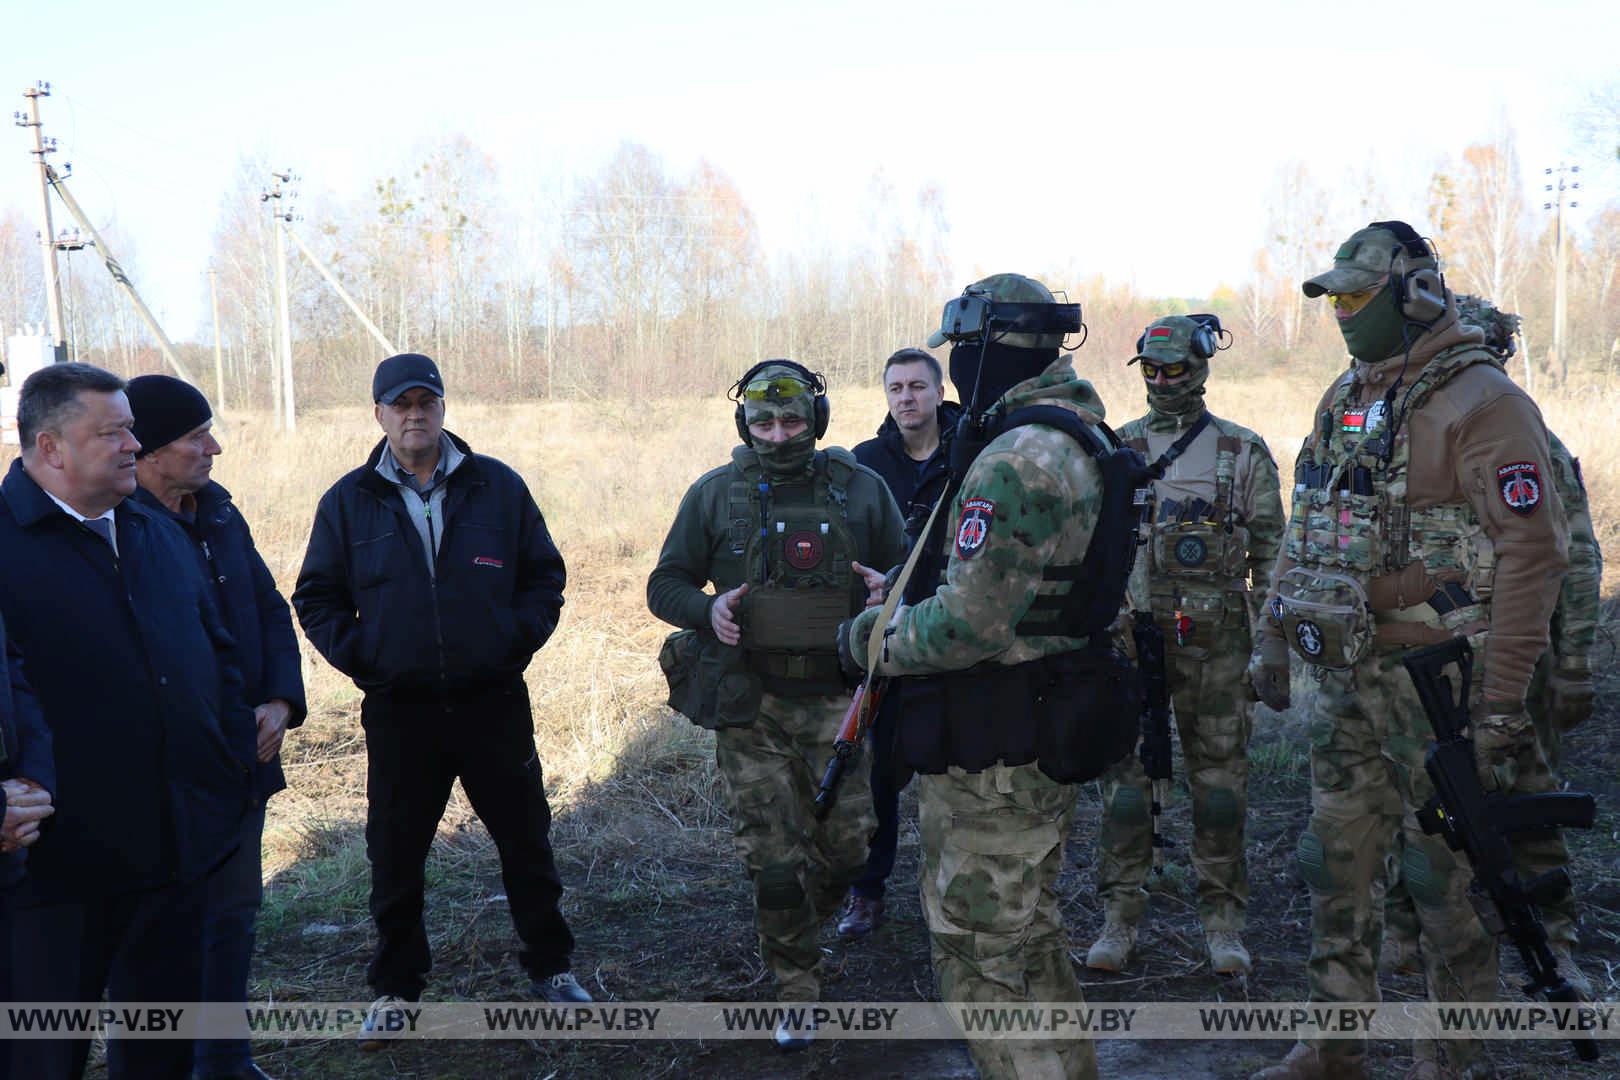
(787, 460)
(1375, 332)
(1176, 403)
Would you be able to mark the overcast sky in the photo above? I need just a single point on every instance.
(1136, 140)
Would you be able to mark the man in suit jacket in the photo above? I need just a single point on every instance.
(137, 681)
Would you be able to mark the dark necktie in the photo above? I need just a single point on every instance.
(103, 528)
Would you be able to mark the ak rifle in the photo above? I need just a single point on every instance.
(857, 722)
(1478, 824)
(1154, 751)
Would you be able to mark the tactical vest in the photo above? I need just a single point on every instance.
(1073, 713)
(1351, 521)
(1199, 542)
(796, 546)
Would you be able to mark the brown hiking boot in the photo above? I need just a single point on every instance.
(863, 915)
(1227, 956)
(1113, 946)
(1307, 1063)
(1571, 972)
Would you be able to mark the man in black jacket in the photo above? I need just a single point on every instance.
(137, 680)
(173, 423)
(912, 452)
(431, 581)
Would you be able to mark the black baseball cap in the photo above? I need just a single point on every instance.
(398, 374)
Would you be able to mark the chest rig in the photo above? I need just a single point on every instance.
(1351, 519)
(796, 546)
(1197, 542)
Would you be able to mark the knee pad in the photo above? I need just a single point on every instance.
(1218, 809)
(1128, 806)
(1313, 863)
(1426, 883)
(777, 887)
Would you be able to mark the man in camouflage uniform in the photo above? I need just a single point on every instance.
(1560, 694)
(782, 532)
(1217, 529)
(993, 837)
(1419, 514)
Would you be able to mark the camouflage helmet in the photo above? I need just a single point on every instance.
(1367, 257)
(1007, 288)
(1501, 327)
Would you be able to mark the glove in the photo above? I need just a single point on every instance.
(1569, 697)
(1501, 737)
(851, 670)
(1268, 677)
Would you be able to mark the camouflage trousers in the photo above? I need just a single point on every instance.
(800, 868)
(1368, 738)
(1528, 771)
(1213, 719)
(1535, 702)
(992, 848)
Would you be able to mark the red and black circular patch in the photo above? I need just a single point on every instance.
(973, 528)
(803, 550)
(1520, 485)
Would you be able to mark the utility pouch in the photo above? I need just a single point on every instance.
(794, 620)
(1190, 549)
(1325, 617)
(708, 683)
(1088, 705)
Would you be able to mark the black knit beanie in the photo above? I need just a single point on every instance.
(165, 408)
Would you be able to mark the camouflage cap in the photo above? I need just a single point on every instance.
(1013, 289)
(1169, 340)
(799, 406)
(1362, 261)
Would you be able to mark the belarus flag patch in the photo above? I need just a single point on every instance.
(1158, 334)
(973, 528)
(1520, 485)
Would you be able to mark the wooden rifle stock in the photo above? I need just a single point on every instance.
(857, 721)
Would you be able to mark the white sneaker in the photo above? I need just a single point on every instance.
(792, 1036)
(384, 1020)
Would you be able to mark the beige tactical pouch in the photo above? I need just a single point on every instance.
(708, 683)
(1325, 617)
(1191, 549)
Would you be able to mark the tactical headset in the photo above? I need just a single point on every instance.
(820, 411)
(1205, 341)
(1420, 293)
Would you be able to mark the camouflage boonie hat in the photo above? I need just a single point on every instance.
(1169, 341)
(1500, 326)
(1012, 289)
(1361, 262)
(799, 406)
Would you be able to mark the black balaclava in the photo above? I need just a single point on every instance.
(995, 368)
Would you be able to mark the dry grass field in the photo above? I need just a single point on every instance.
(656, 896)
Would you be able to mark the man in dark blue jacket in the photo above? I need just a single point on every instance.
(912, 452)
(173, 423)
(135, 675)
(431, 581)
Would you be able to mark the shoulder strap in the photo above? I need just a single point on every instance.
(740, 503)
(1065, 421)
(837, 466)
(1179, 447)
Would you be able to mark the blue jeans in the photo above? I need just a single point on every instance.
(235, 889)
(889, 778)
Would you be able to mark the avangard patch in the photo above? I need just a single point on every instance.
(1520, 485)
(973, 529)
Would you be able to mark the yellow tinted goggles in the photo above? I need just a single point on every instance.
(777, 388)
(1352, 302)
(1173, 370)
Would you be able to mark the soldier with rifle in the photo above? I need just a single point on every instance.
(1217, 527)
(1420, 513)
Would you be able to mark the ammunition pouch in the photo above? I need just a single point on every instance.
(1325, 617)
(1074, 713)
(708, 681)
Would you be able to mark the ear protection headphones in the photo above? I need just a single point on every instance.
(1420, 293)
(1206, 336)
(820, 411)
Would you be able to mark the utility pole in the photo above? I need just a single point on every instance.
(47, 236)
(1559, 233)
(219, 360)
(281, 213)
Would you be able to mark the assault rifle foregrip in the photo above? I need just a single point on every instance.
(851, 731)
(1477, 823)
